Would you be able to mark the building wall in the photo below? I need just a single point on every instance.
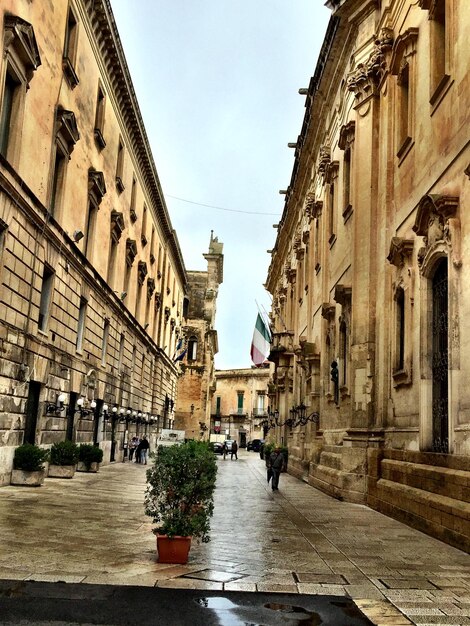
(375, 206)
(196, 382)
(60, 173)
(241, 421)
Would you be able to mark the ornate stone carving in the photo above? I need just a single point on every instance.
(158, 300)
(67, 133)
(19, 36)
(342, 295)
(346, 135)
(131, 252)
(436, 223)
(328, 311)
(331, 172)
(117, 226)
(400, 250)
(317, 209)
(96, 187)
(150, 287)
(141, 272)
(364, 80)
(324, 159)
(404, 47)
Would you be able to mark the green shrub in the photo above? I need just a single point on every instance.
(64, 453)
(30, 458)
(88, 454)
(267, 450)
(180, 490)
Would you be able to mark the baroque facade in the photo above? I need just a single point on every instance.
(196, 382)
(93, 283)
(240, 403)
(368, 270)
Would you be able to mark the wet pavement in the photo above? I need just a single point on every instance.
(92, 529)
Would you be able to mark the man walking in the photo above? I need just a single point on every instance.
(276, 464)
(234, 451)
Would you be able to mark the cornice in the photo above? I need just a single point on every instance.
(106, 36)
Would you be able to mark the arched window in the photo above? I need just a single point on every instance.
(192, 348)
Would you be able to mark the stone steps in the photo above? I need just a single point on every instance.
(443, 517)
(441, 481)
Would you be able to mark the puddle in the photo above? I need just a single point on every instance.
(291, 615)
(301, 616)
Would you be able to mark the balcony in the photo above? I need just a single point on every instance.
(260, 412)
(238, 412)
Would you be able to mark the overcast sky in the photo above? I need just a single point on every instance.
(217, 83)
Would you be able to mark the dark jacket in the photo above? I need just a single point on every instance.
(143, 445)
(276, 461)
(234, 446)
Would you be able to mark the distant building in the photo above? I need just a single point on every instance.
(370, 267)
(92, 277)
(196, 382)
(240, 403)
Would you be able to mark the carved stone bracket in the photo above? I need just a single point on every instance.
(324, 159)
(343, 295)
(346, 135)
(19, 37)
(117, 226)
(317, 209)
(309, 204)
(131, 252)
(436, 223)
(141, 272)
(328, 311)
(305, 236)
(67, 133)
(331, 173)
(365, 79)
(292, 276)
(96, 187)
(400, 250)
(150, 287)
(158, 300)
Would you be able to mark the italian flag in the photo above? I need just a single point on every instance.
(261, 344)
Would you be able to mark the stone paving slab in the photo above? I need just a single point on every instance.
(296, 540)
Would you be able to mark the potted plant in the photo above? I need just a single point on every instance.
(63, 459)
(28, 465)
(89, 458)
(180, 497)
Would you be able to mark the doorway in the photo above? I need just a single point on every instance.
(440, 359)
(32, 410)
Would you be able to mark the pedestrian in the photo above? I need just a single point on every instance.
(224, 449)
(137, 450)
(234, 450)
(142, 451)
(275, 464)
(132, 447)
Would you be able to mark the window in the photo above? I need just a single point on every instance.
(143, 234)
(10, 95)
(192, 349)
(121, 351)
(343, 346)
(70, 49)
(104, 345)
(240, 397)
(66, 137)
(46, 297)
(403, 67)
(400, 339)
(152, 246)
(346, 141)
(331, 214)
(81, 323)
(132, 210)
(96, 191)
(99, 118)
(217, 406)
(21, 56)
(120, 166)
(58, 181)
(159, 264)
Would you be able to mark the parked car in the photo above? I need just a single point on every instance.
(218, 447)
(254, 445)
(229, 444)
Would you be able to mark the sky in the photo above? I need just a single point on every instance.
(217, 84)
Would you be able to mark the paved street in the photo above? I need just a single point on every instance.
(92, 530)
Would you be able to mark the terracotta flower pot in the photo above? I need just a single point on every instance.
(173, 549)
(27, 479)
(61, 471)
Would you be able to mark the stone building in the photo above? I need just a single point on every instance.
(240, 403)
(370, 311)
(196, 383)
(92, 277)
